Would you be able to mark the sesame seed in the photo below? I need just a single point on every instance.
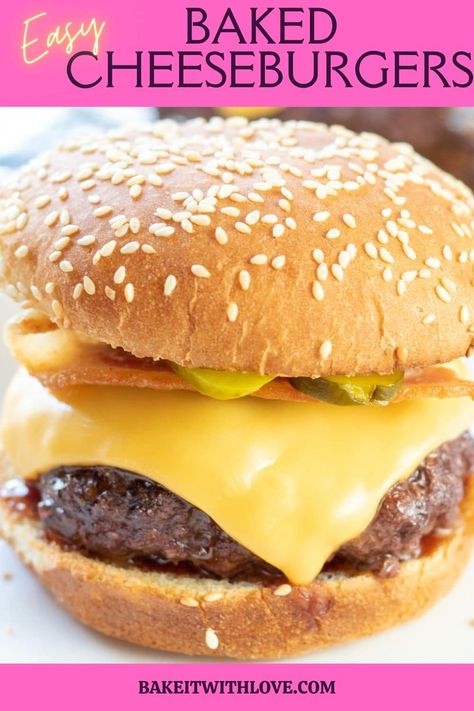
(187, 226)
(129, 293)
(443, 293)
(189, 602)
(49, 288)
(179, 196)
(322, 271)
(130, 248)
(337, 272)
(51, 219)
(36, 292)
(448, 284)
(382, 237)
(94, 199)
(221, 235)
(386, 256)
(371, 250)
(253, 217)
(447, 253)
(230, 211)
(110, 293)
(333, 233)
(244, 279)
(392, 228)
(202, 220)
(69, 230)
(243, 228)
(119, 276)
(108, 248)
(424, 274)
(318, 255)
(425, 230)
(200, 271)
(211, 638)
(87, 184)
(387, 274)
(169, 285)
(21, 251)
(325, 350)
(164, 214)
(269, 219)
(135, 191)
(78, 289)
(103, 211)
(282, 590)
(401, 287)
(409, 251)
(213, 596)
(161, 230)
(86, 240)
(89, 285)
(232, 311)
(42, 201)
(62, 243)
(349, 220)
(278, 230)
(290, 223)
(321, 216)
(58, 310)
(148, 249)
(402, 354)
(65, 266)
(278, 262)
(155, 180)
(259, 259)
(318, 291)
(164, 168)
(409, 276)
(135, 225)
(64, 217)
(54, 256)
(464, 314)
(430, 318)
(386, 212)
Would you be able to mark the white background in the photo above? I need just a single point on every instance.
(33, 628)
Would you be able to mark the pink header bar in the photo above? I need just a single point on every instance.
(211, 52)
(302, 686)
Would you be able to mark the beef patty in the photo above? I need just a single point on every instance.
(120, 516)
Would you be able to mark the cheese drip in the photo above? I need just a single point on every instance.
(292, 482)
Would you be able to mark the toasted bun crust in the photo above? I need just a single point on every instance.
(286, 248)
(242, 620)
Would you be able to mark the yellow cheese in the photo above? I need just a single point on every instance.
(290, 481)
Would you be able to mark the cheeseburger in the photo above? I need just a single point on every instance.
(240, 423)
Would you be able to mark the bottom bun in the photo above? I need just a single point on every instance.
(193, 615)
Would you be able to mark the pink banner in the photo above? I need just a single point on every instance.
(175, 686)
(209, 52)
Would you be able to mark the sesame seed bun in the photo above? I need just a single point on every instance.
(284, 248)
(201, 616)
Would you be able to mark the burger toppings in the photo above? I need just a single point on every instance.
(119, 516)
(290, 482)
(61, 358)
(358, 390)
(222, 385)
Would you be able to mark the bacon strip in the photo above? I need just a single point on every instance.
(60, 359)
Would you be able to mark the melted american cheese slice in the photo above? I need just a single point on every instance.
(290, 481)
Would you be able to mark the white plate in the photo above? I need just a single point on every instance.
(34, 629)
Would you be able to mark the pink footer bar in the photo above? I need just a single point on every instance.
(217, 686)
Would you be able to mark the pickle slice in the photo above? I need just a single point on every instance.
(222, 384)
(356, 390)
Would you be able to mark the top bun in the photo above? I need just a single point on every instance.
(285, 248)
